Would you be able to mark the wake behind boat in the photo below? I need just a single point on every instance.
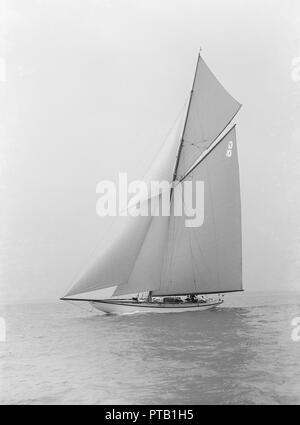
(164, 256)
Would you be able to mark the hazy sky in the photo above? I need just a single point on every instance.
(90, 88)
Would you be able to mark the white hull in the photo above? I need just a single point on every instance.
(128, 307)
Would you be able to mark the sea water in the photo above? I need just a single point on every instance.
(245, 352)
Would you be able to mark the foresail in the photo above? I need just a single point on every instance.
(116, 263)
(113, 263)
(162, 166)
(146, 273)
(210, 111)
(208, 258)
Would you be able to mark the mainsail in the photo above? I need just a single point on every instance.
(160, 254)
(208, 258)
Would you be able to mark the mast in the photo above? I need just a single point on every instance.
(185, 122)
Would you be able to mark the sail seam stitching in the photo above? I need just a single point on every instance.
(214, 222)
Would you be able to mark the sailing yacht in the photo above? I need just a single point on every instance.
(179, 268)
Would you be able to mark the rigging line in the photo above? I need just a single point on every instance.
(167, 135)
(211, 147)
(190, 243)
(172, 251)
(201, 251)
(202, 255)
(163, 265)
(196, 146)
(166, 263)
(178, 230)
(214, 223)
(186, 119)
(140, 249)
(139, 252)
(92, 254)
(105, 233)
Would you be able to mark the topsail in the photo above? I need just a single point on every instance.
(211, 109)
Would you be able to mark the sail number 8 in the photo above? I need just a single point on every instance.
(229, 149)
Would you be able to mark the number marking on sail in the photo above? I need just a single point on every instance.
(229, 149)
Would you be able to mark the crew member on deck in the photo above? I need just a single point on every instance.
(192, 298)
